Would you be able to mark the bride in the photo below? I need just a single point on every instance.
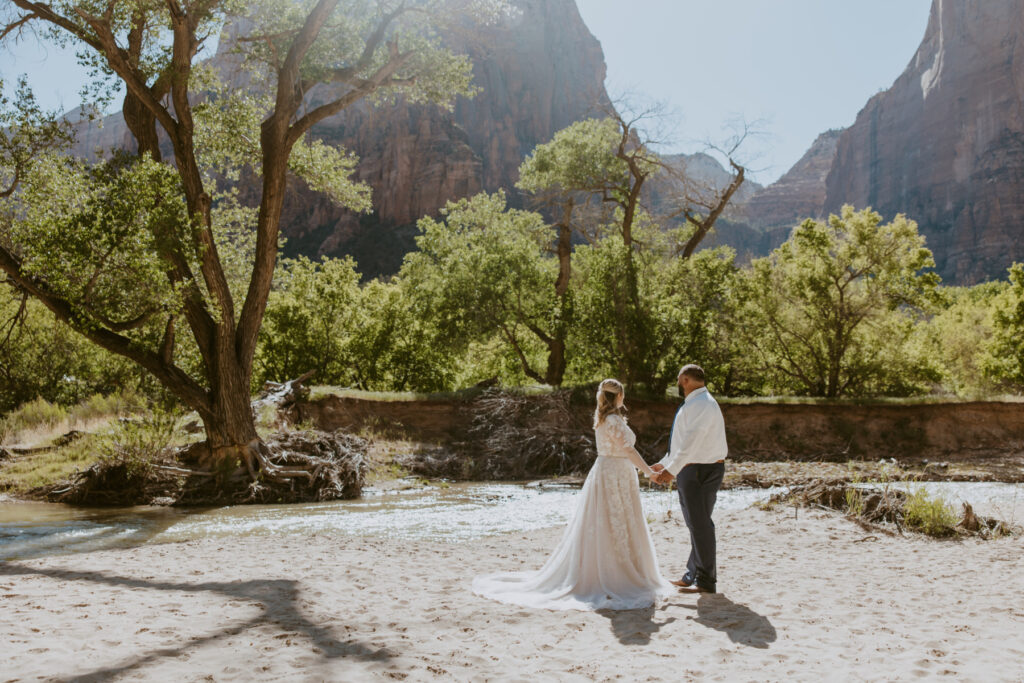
(605, 559)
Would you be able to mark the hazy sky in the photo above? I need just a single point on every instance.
(801, 66)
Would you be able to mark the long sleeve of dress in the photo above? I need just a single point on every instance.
(622, 441)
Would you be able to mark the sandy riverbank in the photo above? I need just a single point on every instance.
(810, 599)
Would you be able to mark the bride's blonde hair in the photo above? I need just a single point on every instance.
(608, 393)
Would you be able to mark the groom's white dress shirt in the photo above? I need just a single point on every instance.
(698, 433)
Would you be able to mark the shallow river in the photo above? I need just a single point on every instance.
(455, 513)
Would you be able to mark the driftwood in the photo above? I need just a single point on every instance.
(880, 506)
(517, 436)
(282, 395)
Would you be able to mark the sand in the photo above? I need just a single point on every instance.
(813, 598)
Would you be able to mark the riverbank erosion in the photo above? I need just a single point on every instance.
(507, 435)
(504, 435)
(805, 598)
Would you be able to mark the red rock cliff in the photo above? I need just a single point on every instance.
(538, 72)
(945, 144)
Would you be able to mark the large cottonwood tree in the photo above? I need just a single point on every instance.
(129, 251)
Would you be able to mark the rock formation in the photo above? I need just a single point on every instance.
(945, 144)
(538, 72)
(799, 193)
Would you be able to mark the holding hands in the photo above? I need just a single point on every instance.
(661, 475)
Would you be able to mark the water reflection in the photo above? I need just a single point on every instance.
(456, 513)
(37, 529)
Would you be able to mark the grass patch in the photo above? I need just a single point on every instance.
(931, 515)
(133, 443)
(33, 415)
(37, 422)
(48, 468)
(98, 406)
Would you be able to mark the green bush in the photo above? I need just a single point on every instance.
(138, 444)
(30, 415)
(931, 515)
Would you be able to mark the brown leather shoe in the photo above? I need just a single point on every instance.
(684, 582)
(695, 589)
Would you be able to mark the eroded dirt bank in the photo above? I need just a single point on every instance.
(962, 433)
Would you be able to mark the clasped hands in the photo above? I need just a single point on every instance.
(661, 475)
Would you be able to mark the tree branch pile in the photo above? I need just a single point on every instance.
(122, 482)
(878, 506)
(518, 436)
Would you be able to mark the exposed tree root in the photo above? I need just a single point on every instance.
(289, 467)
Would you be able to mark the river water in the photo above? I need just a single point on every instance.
(456, 513)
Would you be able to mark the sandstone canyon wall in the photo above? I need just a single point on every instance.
(945, 144)
(799, 193)
(537, 71)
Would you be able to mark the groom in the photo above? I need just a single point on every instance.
(696, 458)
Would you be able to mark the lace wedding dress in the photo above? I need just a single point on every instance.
(605, 559)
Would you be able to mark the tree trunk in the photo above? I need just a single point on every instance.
(556, 363)
(230, 426)
(142, 124)
(556, 345)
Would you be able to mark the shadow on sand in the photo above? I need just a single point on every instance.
(634, 626)
(279, 599)
(742, 624)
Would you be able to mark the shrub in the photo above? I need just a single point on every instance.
(931, 515)
(30, 415)
(138, 445)
(854, 501)
(98, 405)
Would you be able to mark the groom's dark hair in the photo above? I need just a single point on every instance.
(693, 372)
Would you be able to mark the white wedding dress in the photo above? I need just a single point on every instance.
(605, 559)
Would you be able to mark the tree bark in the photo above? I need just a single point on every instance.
(555, 372)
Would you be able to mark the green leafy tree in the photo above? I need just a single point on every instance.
(1004, 360)
(394, 347)
(310, 316)
(959, 336)
(684, 304)
(481, 271)
(41, 357)
(367, 336)
(831, 310)
(607, 162)
(127, 252)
